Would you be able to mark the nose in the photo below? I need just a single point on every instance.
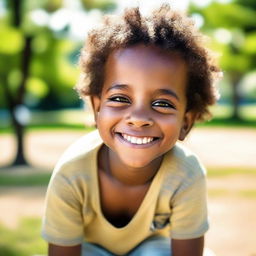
(139, 118)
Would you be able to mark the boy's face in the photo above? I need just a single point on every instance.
(141, 112)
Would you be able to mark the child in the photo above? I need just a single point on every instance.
(128, 188)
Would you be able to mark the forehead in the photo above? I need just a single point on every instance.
(145, 65)
(148, 56)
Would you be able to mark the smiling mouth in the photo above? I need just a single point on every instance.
(137, 140)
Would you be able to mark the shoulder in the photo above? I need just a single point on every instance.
(78, 157)
(184, 164)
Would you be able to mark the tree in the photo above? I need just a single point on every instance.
(20, 59)
(24, 58)
(233, 25)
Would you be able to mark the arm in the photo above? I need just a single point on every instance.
(192, 247)
(62, 225)
(56, 250)
(189, 220)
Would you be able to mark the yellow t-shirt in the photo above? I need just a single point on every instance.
(174, 206)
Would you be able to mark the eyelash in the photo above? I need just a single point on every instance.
(119, 99)
(164, 104)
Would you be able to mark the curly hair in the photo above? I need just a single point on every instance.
(163, 28)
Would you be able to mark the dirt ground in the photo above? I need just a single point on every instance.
(232, 215)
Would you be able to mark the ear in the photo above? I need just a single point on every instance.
(188, 122)
(95, 103)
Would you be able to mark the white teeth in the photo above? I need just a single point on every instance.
(145, 140)
(139, 141)
(136, 140)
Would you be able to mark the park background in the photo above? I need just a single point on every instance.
(40, 113)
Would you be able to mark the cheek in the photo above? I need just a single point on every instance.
(171, 126)
(107, 116)
(169, 120)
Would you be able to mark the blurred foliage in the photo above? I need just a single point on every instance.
(104, 5)
(38, 57)
(11, 41)
(53, 71)
(232, 26)
(52, 75)
(52, 5)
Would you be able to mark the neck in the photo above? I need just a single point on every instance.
(126, 175)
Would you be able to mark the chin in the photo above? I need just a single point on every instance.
(132, 163)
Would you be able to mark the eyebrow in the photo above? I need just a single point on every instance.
(168, 92)
(118, 86)
(159, 91)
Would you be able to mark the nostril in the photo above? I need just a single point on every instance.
(139, 122)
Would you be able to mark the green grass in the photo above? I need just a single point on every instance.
(50, 127)
(248, 112)
(227, 171)
(21, 180)
(6, 130)
(243, 193)
(60, 127)
(228, 122)
(248, 193)
(25, 240)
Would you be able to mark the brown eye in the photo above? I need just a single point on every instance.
(163, 104)
(119, 99)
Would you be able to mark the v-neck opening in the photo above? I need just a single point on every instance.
(153, 189)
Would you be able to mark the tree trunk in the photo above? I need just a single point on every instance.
(19, 132)
(236, 97)
(16, 7)
(13, 101)
(18, 126)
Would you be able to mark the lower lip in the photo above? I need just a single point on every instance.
(132, 145)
